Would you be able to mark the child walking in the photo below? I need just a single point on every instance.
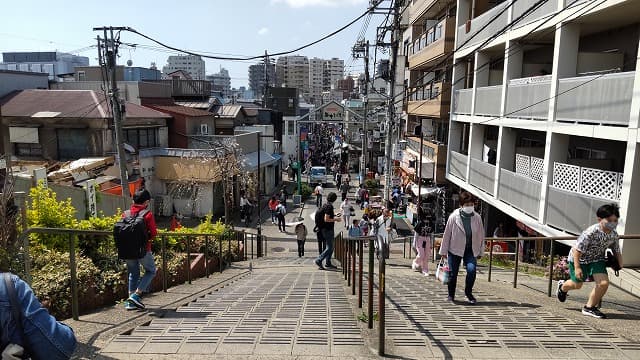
(301, 236)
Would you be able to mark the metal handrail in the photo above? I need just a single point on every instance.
(239, 237)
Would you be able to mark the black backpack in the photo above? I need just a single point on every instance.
(131, 236)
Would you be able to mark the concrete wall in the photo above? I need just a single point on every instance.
(14, 80)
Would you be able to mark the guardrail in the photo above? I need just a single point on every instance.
(244, 246)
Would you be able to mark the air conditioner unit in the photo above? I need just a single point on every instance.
(204, 129)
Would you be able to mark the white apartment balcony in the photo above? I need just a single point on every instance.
(576, 191)
(482, 175)
(596, 99)
(431, 46)
(546, 9)
(473, 26)
(522, 188)
(458, 165)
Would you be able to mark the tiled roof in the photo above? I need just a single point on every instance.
(229, 111)
(181, 110)
(67, 104)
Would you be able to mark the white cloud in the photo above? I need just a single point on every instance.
(325, 3)
(263, 31)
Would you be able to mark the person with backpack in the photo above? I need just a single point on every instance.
(137, 226)
(281, 211)
(587, 258)
(301, 238)
(422, 242)
(27, 328)
(273, 203)
(326, 227)
(382, 229)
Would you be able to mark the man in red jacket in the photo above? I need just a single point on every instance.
(137, 286)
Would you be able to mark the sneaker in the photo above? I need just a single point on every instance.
(136, 300)
(562, 295)
(128, 305)
(450, 299)
(593, 311)
(330, 266)
(319, 264)
(471, 299)
(425, 273)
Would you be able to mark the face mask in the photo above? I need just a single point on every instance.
(468, 209)
(611, 225)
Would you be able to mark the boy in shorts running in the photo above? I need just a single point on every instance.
(587, 259)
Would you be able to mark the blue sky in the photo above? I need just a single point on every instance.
(241, 27)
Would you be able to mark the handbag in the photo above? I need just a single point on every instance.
(612, 261)
(442, 273)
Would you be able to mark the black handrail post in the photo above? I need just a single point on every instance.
(353, 266)
(370, 286)
(229, 248)
(189, 259)
(75, 312)
(348, 243)
(220, 265)
(515, 269)
(252, 238)
(490, 258)
(551, 255)
(163, 249)
(206, 260)
(360, 253)
(381, 298)
(404, 248)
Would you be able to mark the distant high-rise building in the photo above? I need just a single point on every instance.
(52, 62)
(333, 71)
(221, 82)
(256, 77)
(293, 72)
(191, 64)
(316, 80)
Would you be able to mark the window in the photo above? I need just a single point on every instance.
(291, 127)
(141, 138)
(81, 76)
(25, 149)
(290, 103)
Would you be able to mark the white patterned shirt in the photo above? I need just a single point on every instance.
(593, 243)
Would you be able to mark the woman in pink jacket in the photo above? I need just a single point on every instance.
(463, 240)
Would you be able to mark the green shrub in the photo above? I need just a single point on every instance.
(306, 191)
(46, 211)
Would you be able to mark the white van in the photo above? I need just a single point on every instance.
(318, 174)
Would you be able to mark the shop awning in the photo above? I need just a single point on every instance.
(250, 162)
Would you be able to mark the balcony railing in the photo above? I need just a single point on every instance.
(520, 192)
(417, 8)
(519, 7)
(482, 175)
(488, 100)
(476, 24)
(458, 165)
(187, 88)
(600, 99)
(433, 44)
(597, 183)
(530, 167)
(462, 101)
(571, 211)
(528, 98)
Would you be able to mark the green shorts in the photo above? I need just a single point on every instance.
(598, 267)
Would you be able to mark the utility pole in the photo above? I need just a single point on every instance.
(108, 52)
(361, 48)
(391, 117)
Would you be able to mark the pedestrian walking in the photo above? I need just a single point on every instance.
(364, 225)
(344, 189)
(28, 331)
(382, 229)
(354, 230)
(346, 207)
(301, 237)
(138, 286)
(273, 203)
(284, 194)
(318, 191)
(281, 211)
(326, 227)
(338, 178)
(422, 243)
(587, 259)
(463, 240)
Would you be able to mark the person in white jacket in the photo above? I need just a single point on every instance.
(463, 240)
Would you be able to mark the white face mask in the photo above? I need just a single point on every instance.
(468, 209)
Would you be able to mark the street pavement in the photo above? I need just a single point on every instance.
(283, 307)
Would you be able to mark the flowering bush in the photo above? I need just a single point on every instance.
(561, 269)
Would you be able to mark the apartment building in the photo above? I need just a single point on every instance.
(191, 64)
(51, 62)
(544, 120)
(221, 82)
(333, 71)
(427, 49)
(257, 78)
(316, 80)
(293, 71)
